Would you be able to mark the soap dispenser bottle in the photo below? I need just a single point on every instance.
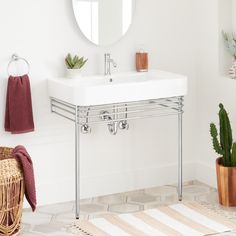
(142, 61)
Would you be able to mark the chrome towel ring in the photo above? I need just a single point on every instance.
(15, 58)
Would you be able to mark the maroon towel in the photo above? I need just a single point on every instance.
(19, 114)
(23, 157)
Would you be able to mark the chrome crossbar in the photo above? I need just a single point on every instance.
(118, 111)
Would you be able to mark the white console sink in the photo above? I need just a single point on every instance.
(118, 88)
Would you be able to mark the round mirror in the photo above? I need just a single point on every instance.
(104, 22)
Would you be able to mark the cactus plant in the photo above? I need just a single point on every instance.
(225, 146)
(75, 62)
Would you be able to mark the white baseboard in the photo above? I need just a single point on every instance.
(206, 173)
(54, 192)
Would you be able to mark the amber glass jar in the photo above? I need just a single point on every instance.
(142, 61)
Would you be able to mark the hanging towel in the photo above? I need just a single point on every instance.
(23, 157)
(19, 114)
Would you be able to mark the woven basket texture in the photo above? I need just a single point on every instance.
(11, 193)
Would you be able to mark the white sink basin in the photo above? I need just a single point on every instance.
(118, 88)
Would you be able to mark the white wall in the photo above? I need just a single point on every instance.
(213, 87)
(207, 77)
(44, 32)
(234, 14)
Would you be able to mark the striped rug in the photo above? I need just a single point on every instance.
(188, 219)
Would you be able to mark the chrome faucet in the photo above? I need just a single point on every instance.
(107, 63)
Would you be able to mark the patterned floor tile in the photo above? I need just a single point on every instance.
(30, 234)
(124, 208)
(69, 217)
(36, 218)
(92, 208)
(48, 228)
(53, 220)
(195, 190)
(60, 234)
(141, 198)
(110, 199)
(162, 192)
(211, 197)
(57, 208)
(228, 234)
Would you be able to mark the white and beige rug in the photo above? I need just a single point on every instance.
(188, 219)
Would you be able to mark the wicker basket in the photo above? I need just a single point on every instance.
(11, 193)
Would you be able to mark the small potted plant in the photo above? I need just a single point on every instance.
(74, 65)
(230, 44)
(226, 163)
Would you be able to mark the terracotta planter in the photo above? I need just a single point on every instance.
(226, 181)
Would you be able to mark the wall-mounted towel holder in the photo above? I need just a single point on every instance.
(15, 58)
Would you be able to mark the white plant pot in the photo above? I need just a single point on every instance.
(73, 73)
(232, 70)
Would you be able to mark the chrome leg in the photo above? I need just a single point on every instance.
(180, 150)
(77, 166)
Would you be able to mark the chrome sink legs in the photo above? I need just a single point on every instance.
(116, 116)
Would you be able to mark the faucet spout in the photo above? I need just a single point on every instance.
(107, 64)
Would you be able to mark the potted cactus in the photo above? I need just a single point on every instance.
(226, 164)
(74, 65)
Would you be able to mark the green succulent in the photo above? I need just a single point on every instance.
(230, 43)
(75, 62)
(224, 145)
